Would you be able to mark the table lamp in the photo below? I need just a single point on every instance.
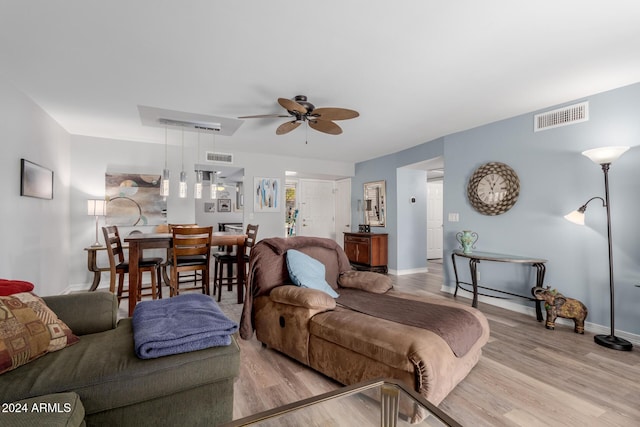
(97, 208)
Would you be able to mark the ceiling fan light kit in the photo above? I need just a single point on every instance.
(301, 110)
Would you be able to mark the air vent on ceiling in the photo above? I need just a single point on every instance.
(207, 126)
(561, 117)
(214, 157)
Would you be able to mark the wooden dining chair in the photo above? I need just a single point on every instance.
(119, 266)
(230, 260)
(190, 277)
(191, 252)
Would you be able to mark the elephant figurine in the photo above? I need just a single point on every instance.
(557, 304)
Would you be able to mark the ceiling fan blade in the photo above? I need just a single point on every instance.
(287, 127)
(264, 116)
(291, 105)
(332, 113)
(325, 126)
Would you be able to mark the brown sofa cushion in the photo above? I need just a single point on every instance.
(365, 280)
(303, 297)
(268, 268)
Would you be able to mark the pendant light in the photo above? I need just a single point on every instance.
(214, 185)
(164, 184)
(214, 175)
(197, 189)
(183, 174)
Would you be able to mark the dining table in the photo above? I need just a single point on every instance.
(140, 241)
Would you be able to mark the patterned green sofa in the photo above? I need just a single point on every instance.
(114, 386)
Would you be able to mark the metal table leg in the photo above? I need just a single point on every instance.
(455, 272)
(540, 272)
(389, 406)
(473, 266)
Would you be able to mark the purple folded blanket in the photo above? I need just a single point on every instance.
(180, 324)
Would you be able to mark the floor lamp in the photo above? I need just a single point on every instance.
(604, 157)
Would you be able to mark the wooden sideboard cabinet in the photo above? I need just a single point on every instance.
(367, 251)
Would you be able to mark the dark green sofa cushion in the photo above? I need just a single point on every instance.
(86, 312)
(104, 370)
(52, 410)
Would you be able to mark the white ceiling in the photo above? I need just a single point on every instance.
(415, 70)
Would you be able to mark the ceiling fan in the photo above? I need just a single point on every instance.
(320, 119)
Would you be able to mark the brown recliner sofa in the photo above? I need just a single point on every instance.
(350, 345)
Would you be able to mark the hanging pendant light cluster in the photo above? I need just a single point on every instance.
(183, 193)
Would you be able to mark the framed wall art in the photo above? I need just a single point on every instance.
(267, 194)
(35, 180)
(134, 199)
(375, 195)
(224, 205)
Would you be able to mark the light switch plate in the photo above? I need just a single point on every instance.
(454, 217)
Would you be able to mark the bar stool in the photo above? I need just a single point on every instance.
(229, 260)
(118, 266)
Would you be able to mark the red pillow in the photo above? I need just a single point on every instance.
(10, 287)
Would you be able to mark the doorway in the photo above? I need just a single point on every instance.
(317, 208)
(343, 209)
(434, 183)
(435, 208)
(435, 223)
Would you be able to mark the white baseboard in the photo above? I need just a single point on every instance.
(82, 287)
(508, 305)
(409, 271)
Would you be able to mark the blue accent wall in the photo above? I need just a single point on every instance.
(385, 168)
(412, 219)
(554, 179)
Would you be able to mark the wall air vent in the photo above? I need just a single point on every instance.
(564, 116)
(213, 157)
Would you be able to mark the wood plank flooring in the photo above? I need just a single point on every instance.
(527, 376)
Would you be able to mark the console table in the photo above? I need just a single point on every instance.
(474, 260)
(367, 251)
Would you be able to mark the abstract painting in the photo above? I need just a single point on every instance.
(267, 194)
(134, 199)
(35, 180)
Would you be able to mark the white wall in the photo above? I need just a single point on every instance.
(35, 243)
(206, 217)
(92, 157)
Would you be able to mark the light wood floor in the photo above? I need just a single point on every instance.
(527, 376)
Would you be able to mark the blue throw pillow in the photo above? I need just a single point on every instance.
(307, 272)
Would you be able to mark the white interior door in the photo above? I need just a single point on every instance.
(435, 221)
(343, 209)
(317, 209)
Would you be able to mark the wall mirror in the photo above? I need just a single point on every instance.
(375, 208)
